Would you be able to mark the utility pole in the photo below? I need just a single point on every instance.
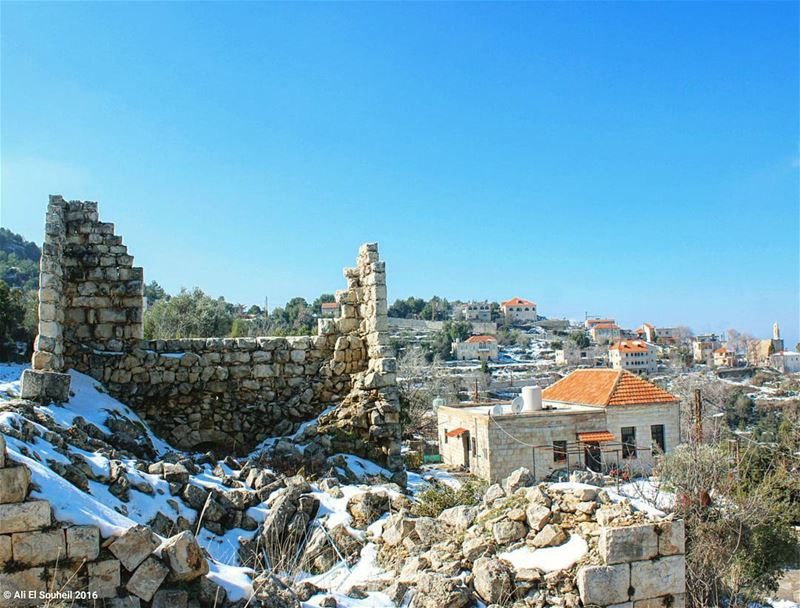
(697, 415)
(477, 394)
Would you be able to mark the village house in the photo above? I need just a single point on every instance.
(646, 332)
(786, 361)
(330, 309)
(633, 355)
(703, 348)
(724, 357)
(519, 310)
(590, 356)
(760, 351)
(599, 419)
(605, 332)
(477, 311)
(484, 348)
(591, 322)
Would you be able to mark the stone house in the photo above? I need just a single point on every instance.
(633, 355)
(605, 333)
(591, 356)
(330, 309)
(476, 347)
(646, 332)
(723, 357)
(599, 419)
(519, 310)
(477, 311)
(786, 361)
(703, 348)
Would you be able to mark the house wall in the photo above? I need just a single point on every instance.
(471, 350)
(641, 417)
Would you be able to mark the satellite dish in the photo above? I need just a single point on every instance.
(516, 405)
(497, 410)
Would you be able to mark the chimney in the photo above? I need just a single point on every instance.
(531, 399)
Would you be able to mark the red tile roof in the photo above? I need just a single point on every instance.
(605, 326)
(591, 322)
(481, 339)
(596, 436)
(630, 346)
(606, 387)
(518, 302)
(457, 432)
(330, 305)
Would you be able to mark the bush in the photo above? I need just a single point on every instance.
(439, 497)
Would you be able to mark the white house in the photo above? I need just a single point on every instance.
(786, 361)
(476, 347)
(633, 355)
(517, 309)
(604, 333)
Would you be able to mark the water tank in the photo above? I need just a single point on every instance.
(531, 399)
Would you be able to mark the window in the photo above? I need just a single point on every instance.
(445, 435)
(629, 442)
(559, 451)
(657, 436)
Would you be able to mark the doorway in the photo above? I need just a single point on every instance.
(465, 444)
(591, 454)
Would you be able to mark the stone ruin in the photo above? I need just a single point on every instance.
(228, 394)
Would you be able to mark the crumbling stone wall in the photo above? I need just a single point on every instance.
(230, 393)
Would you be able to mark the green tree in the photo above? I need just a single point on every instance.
(190, 314)
(153, 292)
(580, 339)
(12, 321)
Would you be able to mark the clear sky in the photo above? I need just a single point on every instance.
(635, 160)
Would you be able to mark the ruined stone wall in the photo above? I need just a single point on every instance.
(221, 393)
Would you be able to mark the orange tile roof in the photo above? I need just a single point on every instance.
(481, 339)
(604, 387)
(590, 322)
(721, 350)
(457, 432)
(605, 326)
(596, 436)
(330, 305)
(630, 346)
(518, 302)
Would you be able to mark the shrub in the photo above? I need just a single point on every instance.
(439, 497)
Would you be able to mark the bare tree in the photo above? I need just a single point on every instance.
(420, 383)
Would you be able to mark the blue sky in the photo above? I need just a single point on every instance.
(635, 160)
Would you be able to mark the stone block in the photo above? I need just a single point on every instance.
(22, 517)
(83, 542)
(5, 550)
(628, 544)
(14, 482)
(45, 386)
(36, 548)
(104, 577)
(170, 598)
(184, 557)
(129, 601)
(134, 546)
(659, 577)
(23, 586)
(2, 451)
(604, 585)
(667, 601)
(147, 578)
(671, 538)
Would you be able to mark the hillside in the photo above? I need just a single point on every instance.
(19, 260)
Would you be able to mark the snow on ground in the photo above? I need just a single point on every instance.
(10, 374)
(548, 559)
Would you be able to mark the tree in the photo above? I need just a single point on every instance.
(12, 321)
(322, 299)
(255, 309)
(154, 292)
(580, 339)
(190, 314)
(419, 383)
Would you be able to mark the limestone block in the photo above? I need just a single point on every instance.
(671, 539)
(667, 601)
(170, 598)
(128, 601)
(83, 542)
(104, 577)
(628, 544)
(24, 587)
(604, 585)
(35, 548)
(184, 557)
(14, 482)
(45, 386)
(147, 578)
(25, 516)
(658, 577)
(5, 550)
(134, 546)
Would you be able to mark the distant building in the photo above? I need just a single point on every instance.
(723, 357)
(786, 361)
(633, 355)
(596, 321)
(703, 348)
(760, 351)
(476, 347)
(591, 356)
(646, 332)
(477, 311)
(593, 418)
(605, 332)
(517, 309)
(669, 335)
(330, 309)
